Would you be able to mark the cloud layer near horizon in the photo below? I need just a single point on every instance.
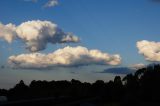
(36, 34)
(68, 56)
(137, 66)
(149, 49)
(124, 70)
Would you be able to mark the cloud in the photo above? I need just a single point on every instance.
(119, 70)
(68, 56)
(36, 34)
(137, 66)
(7, 32)
(149, 49)
(124, 70)
(51, 3)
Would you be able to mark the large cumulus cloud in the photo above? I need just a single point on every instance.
(150, 50)
(36, 34)
(68, 56)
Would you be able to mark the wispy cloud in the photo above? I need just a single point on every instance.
(51, 3)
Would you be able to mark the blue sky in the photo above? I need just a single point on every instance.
(112, 26)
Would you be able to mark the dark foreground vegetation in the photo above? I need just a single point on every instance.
(140, 88)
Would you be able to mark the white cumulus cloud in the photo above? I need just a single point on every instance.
(68, 56)
(36, 34)
(150, 50)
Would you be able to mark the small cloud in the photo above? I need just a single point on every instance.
(149, 49)
(51, 3)
(137, 66)
(7, 32)
(68, 56)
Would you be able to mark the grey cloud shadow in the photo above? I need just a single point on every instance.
(119, 70)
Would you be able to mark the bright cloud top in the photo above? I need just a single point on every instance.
(36, 34)
(150, 50)
(68, 56)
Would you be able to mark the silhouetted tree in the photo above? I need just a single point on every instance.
(143, 85)
(20, 91)
(117, 89)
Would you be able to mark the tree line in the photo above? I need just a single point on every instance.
(143, 85)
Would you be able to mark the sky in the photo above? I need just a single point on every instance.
(65, 39)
